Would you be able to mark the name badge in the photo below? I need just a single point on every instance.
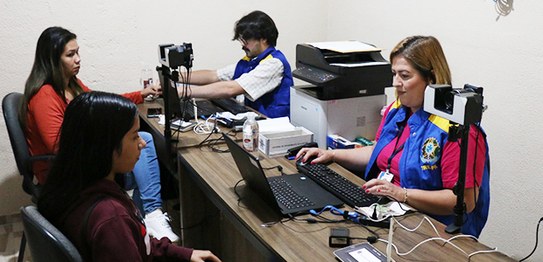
(385, 175)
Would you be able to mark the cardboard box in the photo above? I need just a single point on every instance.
(338, 142)
(277, 143)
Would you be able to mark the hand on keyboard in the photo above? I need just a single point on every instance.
(384, 188)
(314, 155)
(309, 161)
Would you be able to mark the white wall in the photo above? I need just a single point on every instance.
(504, 56)
(117, 38)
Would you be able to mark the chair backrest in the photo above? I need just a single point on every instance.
(10, 106)
(46, 242)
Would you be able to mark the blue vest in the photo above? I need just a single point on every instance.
(420, 162)
(277, 102)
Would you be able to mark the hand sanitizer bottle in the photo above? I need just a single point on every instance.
(250, 133)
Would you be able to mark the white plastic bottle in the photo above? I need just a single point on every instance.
(250, 133)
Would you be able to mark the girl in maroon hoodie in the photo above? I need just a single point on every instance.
(98, 140)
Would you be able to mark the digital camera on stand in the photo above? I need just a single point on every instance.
(174, 56)
(462, 106)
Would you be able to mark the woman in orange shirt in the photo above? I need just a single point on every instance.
(51, 86)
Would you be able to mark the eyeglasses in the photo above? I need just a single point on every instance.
(242, 41)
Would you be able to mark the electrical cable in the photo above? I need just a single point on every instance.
(206, 127)
(199, 223)
(351, 216)
(237, 194)
(439, 238)
(536, 240)
(370, 239)
(279, 168)
(475, 182)
(205, 140)
(425, 218)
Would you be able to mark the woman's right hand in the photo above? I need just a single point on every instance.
(152, 89)
(203, 255)
(319, 155)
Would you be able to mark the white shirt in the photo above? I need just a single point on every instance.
(266, 76)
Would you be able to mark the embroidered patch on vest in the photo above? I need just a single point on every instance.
(430, 151)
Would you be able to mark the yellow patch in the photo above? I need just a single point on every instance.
(397, 104)
(440, 122)
(267, 57)
(429, 167)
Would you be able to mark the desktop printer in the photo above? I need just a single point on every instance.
(342, 69)
(346, 92)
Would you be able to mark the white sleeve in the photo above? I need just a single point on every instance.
(266, 76)
(226, 73)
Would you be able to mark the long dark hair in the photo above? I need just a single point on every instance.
(47, 68)
(256, 25)
(93, 129)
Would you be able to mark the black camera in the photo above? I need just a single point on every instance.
(174, 56)
(462, 106)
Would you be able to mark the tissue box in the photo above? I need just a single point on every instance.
(277, 143)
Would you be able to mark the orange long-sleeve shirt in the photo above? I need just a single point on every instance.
(44, 118)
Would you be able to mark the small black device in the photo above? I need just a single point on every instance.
(294, 150)
(231, 122)
(154, 112)
(339, 237)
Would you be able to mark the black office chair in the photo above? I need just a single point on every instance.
(45, 241)
(10, 106)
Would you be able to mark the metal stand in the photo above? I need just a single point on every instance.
(460, 206)
(168, 115)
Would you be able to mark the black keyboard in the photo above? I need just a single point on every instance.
(230, 105)
(205, 109)
(350, 193)
(287, 196)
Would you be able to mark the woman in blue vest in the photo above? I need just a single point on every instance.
(263, 75)
(413, 148)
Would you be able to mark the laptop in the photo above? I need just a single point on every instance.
(290, 195)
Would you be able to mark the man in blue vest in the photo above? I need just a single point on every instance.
(263, 75)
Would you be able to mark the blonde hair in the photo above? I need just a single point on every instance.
(425, 54)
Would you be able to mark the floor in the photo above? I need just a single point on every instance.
(11, 231)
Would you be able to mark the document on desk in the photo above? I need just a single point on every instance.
(280, 124)
(345, 46)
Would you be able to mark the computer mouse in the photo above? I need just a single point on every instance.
(309, 160)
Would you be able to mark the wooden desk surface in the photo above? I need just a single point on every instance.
(185, 139)
(295, 240)
(215, 174)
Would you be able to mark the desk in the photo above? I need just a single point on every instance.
(186, 139)
(213, 218)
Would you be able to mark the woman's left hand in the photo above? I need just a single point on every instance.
(384, 188)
